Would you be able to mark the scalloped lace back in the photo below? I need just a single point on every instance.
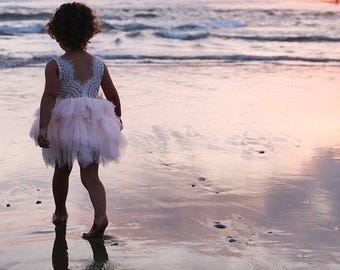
(69, 87)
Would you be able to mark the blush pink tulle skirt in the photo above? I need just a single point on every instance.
(82, 129)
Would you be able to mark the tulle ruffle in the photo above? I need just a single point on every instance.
(83, 129)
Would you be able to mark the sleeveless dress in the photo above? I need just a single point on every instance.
(83, 126)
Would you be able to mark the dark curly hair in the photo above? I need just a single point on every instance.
(73, 25)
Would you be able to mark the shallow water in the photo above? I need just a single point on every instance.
(239, 31)
(280, 204)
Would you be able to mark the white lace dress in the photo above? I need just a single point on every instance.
(83, 126)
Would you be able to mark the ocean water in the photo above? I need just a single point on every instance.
(158, 31)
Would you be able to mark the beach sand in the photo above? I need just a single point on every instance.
(253, 148)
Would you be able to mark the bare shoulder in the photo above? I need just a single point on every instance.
(51, 67)
(51, 63)
(88, 56)
(105, 68)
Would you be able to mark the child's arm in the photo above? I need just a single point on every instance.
(110, 91)
(48, 100)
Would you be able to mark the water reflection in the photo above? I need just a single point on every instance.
(100, 256)
(59, 253)
(60, 259)
(304, 209)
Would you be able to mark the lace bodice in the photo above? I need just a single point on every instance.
(69, 87)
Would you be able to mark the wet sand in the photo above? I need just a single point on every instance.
(251, 148)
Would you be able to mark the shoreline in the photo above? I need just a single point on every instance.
(244, 135)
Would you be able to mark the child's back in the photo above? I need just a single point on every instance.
(82, 65)
(82, 125)
(79, 76)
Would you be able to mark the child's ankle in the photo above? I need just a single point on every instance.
(101, 219)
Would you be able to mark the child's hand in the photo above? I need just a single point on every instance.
(42, 139)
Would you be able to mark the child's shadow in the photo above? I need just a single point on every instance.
(60, 251)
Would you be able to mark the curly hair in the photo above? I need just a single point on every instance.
(73, 25)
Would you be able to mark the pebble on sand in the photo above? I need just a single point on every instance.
(8, 205)
(231, 240)
(220, 225)
(38, 202)
(261, 152)
(201, 179)
(193, 185)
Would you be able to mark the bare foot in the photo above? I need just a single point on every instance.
(98, 228)
(59, 219)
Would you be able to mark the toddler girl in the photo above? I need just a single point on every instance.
(74, 123)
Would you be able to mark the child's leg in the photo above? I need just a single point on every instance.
(60, 190)
(90, 179)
